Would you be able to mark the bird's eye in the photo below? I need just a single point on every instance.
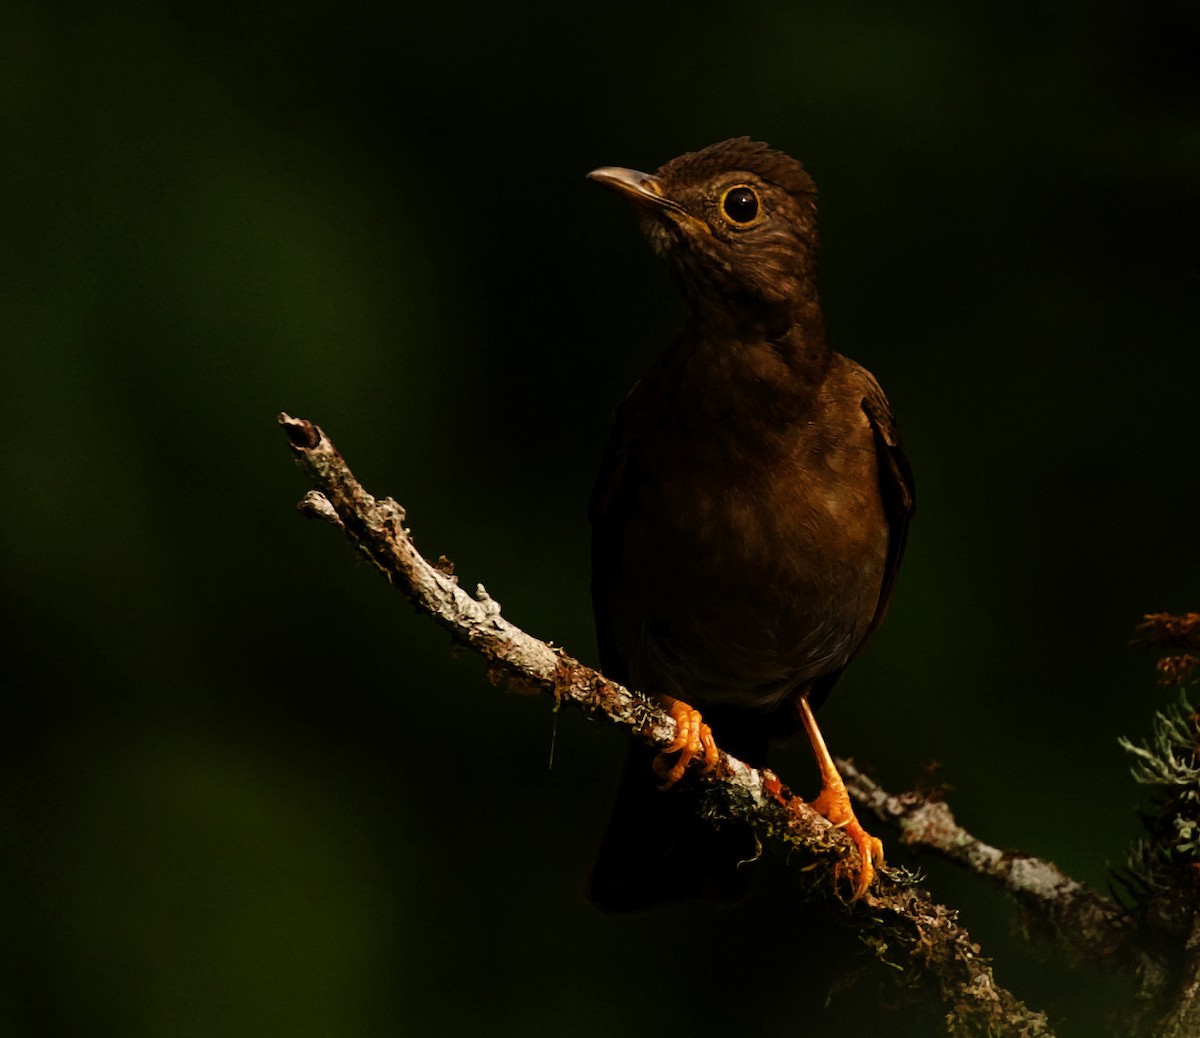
(740, 204)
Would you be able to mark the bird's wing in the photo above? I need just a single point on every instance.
(896, 485)
(898, 491)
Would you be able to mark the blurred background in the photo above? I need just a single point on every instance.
(244, 790)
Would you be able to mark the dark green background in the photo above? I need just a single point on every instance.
(245, 791)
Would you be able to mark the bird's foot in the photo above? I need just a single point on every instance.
(833, 803)
(693, 738)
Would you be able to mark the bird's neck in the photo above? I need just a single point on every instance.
(766, 361)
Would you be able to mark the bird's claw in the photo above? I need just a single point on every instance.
(693, 738)
(833, 803)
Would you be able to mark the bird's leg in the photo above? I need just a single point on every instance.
(833, 802)
(692, 738)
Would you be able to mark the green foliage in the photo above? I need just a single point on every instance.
(1164, 866)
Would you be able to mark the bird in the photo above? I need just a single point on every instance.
(748, 519)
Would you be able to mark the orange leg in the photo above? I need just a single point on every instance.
(692, 738)
(833, 802)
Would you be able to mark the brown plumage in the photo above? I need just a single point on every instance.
(749, 515)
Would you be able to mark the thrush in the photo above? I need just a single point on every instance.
(748, 518)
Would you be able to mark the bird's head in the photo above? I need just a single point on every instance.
(737, 220)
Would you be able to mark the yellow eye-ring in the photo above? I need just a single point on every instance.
(740, 204)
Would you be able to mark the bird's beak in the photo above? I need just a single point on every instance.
(644, 190)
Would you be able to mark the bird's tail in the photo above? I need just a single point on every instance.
(658, 849)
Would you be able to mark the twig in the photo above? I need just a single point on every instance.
(1093, 925)
(900, 923)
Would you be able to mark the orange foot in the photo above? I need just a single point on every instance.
(692, 738)
(833, 802)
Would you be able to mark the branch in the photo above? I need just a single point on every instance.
(899, 922)
(1091, 924)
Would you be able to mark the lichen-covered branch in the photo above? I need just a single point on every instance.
(896, 919)
(1091, 924)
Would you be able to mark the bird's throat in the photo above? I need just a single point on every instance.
(770, 367)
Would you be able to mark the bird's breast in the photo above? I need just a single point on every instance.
(752, 563)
